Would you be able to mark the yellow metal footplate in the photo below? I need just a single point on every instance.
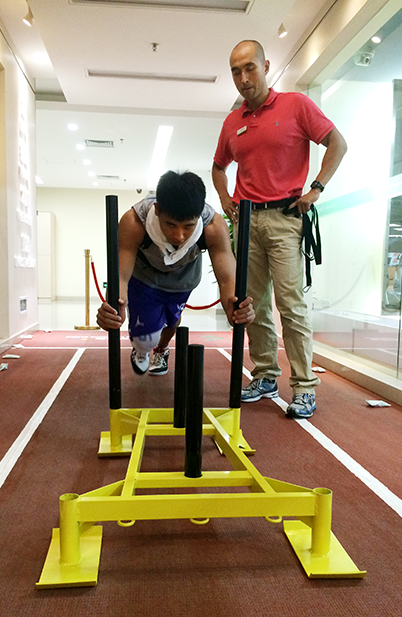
(335, 564)
(82, 574)
(73, 557)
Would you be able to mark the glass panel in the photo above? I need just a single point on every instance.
(357, 290)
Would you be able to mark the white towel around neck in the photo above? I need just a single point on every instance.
(170, 254)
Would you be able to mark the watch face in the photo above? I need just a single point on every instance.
(317, 185)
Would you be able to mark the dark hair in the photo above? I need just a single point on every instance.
(181, 195)
(258, 48)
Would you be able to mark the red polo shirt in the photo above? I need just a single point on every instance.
(271, 145)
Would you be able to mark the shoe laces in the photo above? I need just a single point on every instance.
(159, 351)
(159, 355)
(256, 383)
(301, 398)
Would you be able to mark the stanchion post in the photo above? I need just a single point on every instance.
(87, 255)
(113, 290)
(241, 293)
(87, 258)
(180, 377)
(194, 411)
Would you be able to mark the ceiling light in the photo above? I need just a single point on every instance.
(376, 39)
(80, 147)
(72, 126)
(282, 31)
(86, 162)
(161, 146)
(28, 19)
(99, 143)
(91, 174)
(203, 79)
(236, 6)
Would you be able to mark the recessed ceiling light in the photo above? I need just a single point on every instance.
(201, 79)
(95, 184)
(376, 39)
(236, 6)
(80, 147)
(91, 174)
(86, 162)
(72, 127)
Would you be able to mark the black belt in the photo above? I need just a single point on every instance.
(279, 203)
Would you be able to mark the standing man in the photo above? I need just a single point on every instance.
(269, 137)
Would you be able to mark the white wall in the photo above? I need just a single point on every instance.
(363, 112)
(80, 223)
(17, 194)
(353, 239)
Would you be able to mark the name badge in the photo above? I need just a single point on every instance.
(242, 130)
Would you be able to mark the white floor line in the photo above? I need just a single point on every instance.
(100, 347)
(360, 472)
(68, 347)
(11, 457)
(377, 487)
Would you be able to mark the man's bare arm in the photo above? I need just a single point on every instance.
(335, 151)
(220, 180)
(131, 235)
(224, 266)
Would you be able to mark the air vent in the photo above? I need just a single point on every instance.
(98, 143)
(200, 79)
(105, 177)
(230, 6)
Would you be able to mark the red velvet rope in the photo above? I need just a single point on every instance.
(200, 308)
(194, 308)
(96, 282)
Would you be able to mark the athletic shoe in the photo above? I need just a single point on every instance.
(139, 362)
(159, 362)
(302, 406)
(259, 388)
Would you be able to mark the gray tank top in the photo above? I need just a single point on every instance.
(150, 268)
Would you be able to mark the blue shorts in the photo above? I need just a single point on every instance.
(152, 309)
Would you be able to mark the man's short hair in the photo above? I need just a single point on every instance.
(258, 48)
(181, 195)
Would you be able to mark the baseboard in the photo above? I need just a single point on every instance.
(379, 380)
(17, 338)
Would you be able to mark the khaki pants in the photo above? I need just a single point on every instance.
(276, 263)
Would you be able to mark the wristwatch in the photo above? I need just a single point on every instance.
(317, 185)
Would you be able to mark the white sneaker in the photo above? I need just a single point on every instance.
(139, 362)
(159, 362)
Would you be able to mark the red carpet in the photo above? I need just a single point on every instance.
(228, 568)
